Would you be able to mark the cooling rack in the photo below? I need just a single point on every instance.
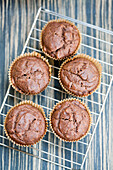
(52, 150)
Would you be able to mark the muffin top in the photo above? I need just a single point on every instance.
(70, 120)
(79, 76)
(25, 124)
(30, 74)
(60, 39)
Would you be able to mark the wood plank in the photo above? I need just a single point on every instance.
(16, 18)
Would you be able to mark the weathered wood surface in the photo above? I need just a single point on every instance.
(16, 18)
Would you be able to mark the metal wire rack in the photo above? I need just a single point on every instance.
(51, 149)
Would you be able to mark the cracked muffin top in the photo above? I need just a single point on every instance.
(30, 74)
(70, 120)
(60, 39)
(25, 124)
(79, 76)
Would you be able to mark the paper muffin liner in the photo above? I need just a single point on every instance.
(94, 61)
(60, 20)
(88, 111)
(33, 54)
(34, 105)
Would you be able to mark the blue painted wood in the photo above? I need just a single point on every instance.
(16, 18)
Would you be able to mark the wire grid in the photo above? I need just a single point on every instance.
(51, 149)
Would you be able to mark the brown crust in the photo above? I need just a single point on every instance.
(32, 104)
(94, 61)
(70, 99)
(59, 20)
(31, 55)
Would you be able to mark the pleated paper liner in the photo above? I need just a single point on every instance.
(88, 111)
(33, 54)
(94, 61)
(28, 102)
(60, 20)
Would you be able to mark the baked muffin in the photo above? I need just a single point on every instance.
(70, 120)
(25, 123)
(30, 73)
(80, 76)
(60, 39)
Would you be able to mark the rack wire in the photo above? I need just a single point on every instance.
(51, 149)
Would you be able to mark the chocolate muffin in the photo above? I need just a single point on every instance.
(30, 73)
(80, 76)
(70, 120)
(60, 39)
(25, 123)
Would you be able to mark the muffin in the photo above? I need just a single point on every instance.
(60, 39)
(70, 120)
(25, 123)
(30, 73)
(80, 75)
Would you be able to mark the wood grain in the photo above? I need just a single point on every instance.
(16, 18)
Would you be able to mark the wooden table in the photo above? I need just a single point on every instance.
(16, 18)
